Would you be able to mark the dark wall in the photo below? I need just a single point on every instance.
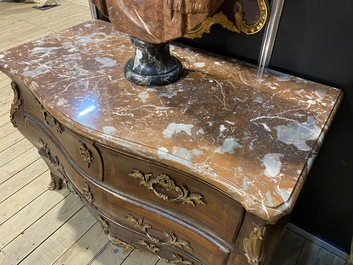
(314, 41)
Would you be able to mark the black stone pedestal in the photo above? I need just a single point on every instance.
(152, 65)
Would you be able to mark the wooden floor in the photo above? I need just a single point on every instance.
(38, 226)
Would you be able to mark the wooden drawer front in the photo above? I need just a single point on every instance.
(148, 229)
(83, 153)
(181, 195)
(79, 150)
(153, 228)
(79, 153)
(124, 237)
(47, 147)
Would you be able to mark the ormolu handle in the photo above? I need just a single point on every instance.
(115, 240)
(184, 196)
(170, 238)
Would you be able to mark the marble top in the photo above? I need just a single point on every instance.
(254, 141)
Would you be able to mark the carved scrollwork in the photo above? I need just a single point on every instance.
(183, 194)
(16, 103)
(240, 23)
(49, 119)
(154, 249)
(115, 240)
(120, 243)
(218, 18)
(45, 152)
(86, 154)
(170, 238)
(86, 192)
(254, 245)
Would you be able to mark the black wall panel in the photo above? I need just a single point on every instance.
(315, 41)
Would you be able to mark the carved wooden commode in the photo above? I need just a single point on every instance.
(202, 171)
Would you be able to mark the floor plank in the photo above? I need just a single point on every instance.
(5, 85)
(5, 117)
(314, 255)
(44, 227)
(338, 261)
(4, 260)
(56, 245)
(112, 255)
(14, 151)
(30, 214)
(288, 255)
(85, 248)
(6, 100)
(6, 129)
(161, 262)
(19, 200)
(138, 257)
(21, 179)
(6, 20)
(20, 29)
(5, 110)
(5, 82)
(18, 163)
(10, 140)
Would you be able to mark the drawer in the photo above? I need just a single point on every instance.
(135, 223)
(181, 195)
(124, 237)
(81, 152)
(150, 226)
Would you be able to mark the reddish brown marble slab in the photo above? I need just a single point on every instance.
(256, 142)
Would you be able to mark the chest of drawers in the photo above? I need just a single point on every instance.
(203, 171)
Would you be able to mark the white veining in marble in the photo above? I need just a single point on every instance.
(109, 130)
(61, 102)
(174, 128)
(106, 62)
(185, 153)
(228, 146)
(284, 193)
(40, 70)
(144, 96)
(299, 133)
(199, 64)
(164, 154)
(273, 165)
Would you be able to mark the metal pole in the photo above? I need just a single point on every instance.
(269, 37)
(93, 10)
